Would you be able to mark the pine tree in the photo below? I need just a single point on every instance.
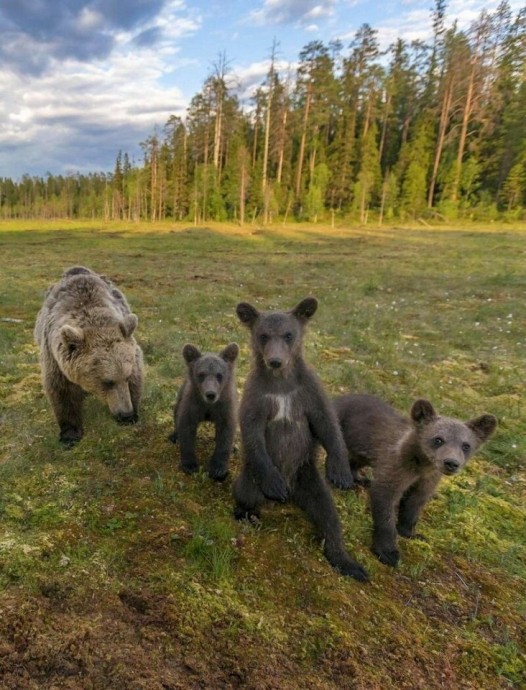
(315, 87)
(514, 187)
(414, 162)
(176, 145)
(118, 189)
(504, 142)
(369, 175)
(359, 90)
(315, 198)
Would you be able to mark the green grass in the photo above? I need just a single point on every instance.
(118, 571)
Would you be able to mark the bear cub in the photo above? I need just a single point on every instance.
(408, 457)
(284, 415)
(209, 394)
(85, 333)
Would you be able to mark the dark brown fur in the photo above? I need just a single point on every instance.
(408, 457)
(208, 394)
(284, 414)
(85, 333)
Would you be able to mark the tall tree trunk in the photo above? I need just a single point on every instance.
(466, 116)
(385, 120)
(255, 142)
(313, 153)
(281, 154)
(264, 182)
(442, 128)
(367, 120)
(303, 139)
(217, 134)
(242, 189)
(266, 142)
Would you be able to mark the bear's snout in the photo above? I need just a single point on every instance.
(119, 401)
(276, 354)
(210, 389)
(451, 465)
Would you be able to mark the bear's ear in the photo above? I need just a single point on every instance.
(305, 309)
(423, 412)
(247, 314)
(230, 353)
(72, 337)
(190, 353)
(483, 426)
(128, 325)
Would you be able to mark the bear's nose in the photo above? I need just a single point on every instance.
(451, 465)
(210, 396)
(275, 363)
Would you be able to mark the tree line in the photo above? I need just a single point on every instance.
(422, 130)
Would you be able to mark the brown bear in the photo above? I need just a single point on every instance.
(284, 414)
(85, 334)
(208, 394)
(408, 457)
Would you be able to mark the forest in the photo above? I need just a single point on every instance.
(421, 131)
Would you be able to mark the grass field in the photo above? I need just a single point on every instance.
(118, 571)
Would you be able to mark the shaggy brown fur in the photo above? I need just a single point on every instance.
(408, 457)
(85, 334)
(208, 394)
(284, 414)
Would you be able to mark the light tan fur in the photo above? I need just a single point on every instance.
(85, 334)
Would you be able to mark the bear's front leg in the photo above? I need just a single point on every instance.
(412, 503)
(261, 468)
(186, 433)
(224, 440)
(248, 497)
(383, 503)
(312, 495)
(270, 481)
(326, 428)
(135, 386)
(66, 399)
(338, 471)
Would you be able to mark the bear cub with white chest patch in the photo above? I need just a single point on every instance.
(208, 394)
(408, 456)
(284, 415)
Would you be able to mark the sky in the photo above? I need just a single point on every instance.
(82, 79)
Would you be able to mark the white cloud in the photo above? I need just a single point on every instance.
(89, 20)
(280, 12)
(414, 25)
(79, 114)
(318, 11)
(250, 78)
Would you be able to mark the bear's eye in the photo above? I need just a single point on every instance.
(219, 377)
(201, 377)
(466, 447)
(263, 338)
(288, 337)
(108, 385)
(437, 441)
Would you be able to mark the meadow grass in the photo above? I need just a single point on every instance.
(118, 571)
